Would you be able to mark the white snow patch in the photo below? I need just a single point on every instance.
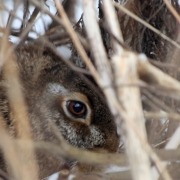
(54, 176)
(179, 2)
(71, 177)
(64, 51)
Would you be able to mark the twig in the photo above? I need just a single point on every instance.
(96, 44)
(157, 102)
(159, 115)
(76, 41)
(173, 143)
(172, 9)
(25, 14)
(139, 162)
(66, 150)
(3, 175)
(153, 75)
(10, 153)
(146, 24)
(18, 108)
(124, 65)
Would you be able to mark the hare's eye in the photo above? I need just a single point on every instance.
(76, 108)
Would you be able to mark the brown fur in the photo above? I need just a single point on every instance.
(38, 68)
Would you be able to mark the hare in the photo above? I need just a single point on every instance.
(54, 93)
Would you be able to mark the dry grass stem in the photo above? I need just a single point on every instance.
(173, 143)
(127, 66)
(112, 22)
(172, 9)
(158, 115)
(21, 122)
(76, 40)
(11, 154)
(153, 75)
(129, 13)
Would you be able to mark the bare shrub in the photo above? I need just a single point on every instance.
(130, 51)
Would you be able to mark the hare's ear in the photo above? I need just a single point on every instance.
(31, 61)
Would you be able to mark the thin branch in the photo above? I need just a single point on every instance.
(120, 7)
(172, 10)
(153, 75)
(76, 41)
(19, 110)
(160, 115)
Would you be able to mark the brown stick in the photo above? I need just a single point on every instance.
(19, 110)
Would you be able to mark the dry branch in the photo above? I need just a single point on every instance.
(29, 167)
(124, 66)
(153, 75)
(172, 9)
(126, 11)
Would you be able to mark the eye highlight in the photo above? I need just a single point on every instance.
(76, 108)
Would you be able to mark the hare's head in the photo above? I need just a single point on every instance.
(56, 96)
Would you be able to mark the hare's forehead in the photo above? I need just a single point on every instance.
(56, 88)
(67, 94)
